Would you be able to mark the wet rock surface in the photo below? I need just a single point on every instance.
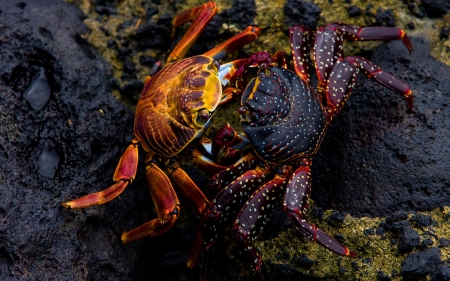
(377, 158)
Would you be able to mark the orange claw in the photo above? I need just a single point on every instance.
(124, 174)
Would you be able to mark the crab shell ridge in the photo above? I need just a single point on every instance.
(168, 112)
(283, 117)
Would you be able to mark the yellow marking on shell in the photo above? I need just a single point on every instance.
(212, 91)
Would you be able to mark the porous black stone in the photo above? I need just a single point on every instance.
(376, 158)
(301, 12)
(421, 264)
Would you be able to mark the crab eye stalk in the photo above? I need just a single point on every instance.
(202, 117)
(214, 67)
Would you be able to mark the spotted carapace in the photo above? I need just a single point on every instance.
(284, 121)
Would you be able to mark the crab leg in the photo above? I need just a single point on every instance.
(344, 75)
(235, 43)
(124, 175)
(166, 203)
(329, 40)
(295, 205)
(225, 206)
(301, 38)
(256, 212)
(190, 190)
(224, 178)
(200, 16)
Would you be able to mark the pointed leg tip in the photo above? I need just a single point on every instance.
(351, 254)
(66, 205)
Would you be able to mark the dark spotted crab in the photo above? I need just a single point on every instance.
(284, 122)
(174, 109)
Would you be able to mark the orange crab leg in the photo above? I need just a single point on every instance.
(124, 175)
(205, 164)
(235, 43)
(200, 17)
(166, 202)
(190, 190)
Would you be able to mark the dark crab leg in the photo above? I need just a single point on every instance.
(295, 205)
(200, 16)
(302, 38)
(223, 208)
(344, 75)
(124, 175)
(166, 203)
(224, 178)
(256, 212)
(329, 40)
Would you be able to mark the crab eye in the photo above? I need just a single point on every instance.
(214, 66)
(202, 117)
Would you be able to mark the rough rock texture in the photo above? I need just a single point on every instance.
(376, 157)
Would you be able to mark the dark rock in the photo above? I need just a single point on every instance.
(150, 13)
(105, 10)
(443, 242)
(354, 11)
(421, 264)
(151, 34)
(411, 25)
(381, 276)
(369, 231)
(301, 12)
(38, 93)
(336, 218)
(413, 7)
(445, 32)
(377, 158)
(436, 8)
(48, 162)
(82, 130)
(385, 17)
(442, 273)
(421, 220)
(305, 262)
(409, 238)
(400, 215)
(382, 228)
(426, 243)
(339, 237)
(242, 12)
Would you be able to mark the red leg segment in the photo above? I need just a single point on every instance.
(235, 43)
(223, 208)
(190, 190)
(256, 212)
(224, 178)
(301, 38)
(124, 175)
(344, 75)
(295, 205)
(328, 43)
(166, 203)
(200, 17)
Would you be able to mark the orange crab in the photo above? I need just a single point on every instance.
(174, 109)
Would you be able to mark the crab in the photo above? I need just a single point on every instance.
(284, 121)
(174, 109)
